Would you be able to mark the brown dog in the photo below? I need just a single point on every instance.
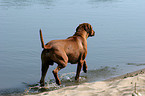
(72, 50)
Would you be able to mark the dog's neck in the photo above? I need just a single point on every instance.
(83, 34)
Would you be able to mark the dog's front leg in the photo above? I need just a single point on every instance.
(80, 65)
(85, 67)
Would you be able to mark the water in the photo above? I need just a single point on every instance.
(119, 39)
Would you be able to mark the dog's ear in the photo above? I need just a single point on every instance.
(87, 28)
(80, 28)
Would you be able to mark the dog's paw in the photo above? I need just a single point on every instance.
(85, 71)
(58, 82)
(42, 83)
(76, 78)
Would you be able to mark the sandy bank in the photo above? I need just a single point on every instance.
(126, 85)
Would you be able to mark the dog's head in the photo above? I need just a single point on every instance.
(87, 27)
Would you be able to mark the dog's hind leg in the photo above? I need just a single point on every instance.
(55, 72)
(61, 59)
(85, 67)
(45, 66)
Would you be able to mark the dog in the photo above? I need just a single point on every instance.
(71, 50)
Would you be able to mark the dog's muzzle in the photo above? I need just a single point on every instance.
(92, 34)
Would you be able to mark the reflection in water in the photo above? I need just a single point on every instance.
(104, 3)
(23, 3)
(100, 0)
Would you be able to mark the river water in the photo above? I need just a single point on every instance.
(117, 48)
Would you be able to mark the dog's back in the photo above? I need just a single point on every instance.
(73, 47)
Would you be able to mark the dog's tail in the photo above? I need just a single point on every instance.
(42, 41)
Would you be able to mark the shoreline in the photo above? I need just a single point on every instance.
(132, 74)
(130, 84)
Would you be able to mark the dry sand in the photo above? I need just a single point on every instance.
(132, 84)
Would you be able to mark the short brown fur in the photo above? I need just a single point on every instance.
(72, 50)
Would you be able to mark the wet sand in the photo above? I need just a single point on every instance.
(131, 84)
